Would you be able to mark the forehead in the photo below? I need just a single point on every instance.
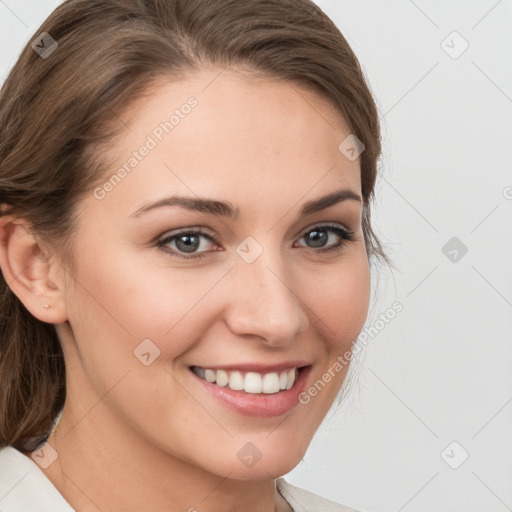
(223, 133)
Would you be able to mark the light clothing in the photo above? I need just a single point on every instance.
(305, 501)
(25, 488)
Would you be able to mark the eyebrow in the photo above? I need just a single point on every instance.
(226, 209)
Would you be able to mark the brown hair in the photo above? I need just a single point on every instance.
(55, 109)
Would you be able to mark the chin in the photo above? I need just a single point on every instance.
(269, 462)
(261, 470)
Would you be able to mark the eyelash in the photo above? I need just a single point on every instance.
(345, 235)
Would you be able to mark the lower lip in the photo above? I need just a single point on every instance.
(260, 405)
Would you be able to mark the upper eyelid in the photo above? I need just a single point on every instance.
(195, 230)
(201, 231)
(208, 232)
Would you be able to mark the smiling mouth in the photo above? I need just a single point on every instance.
(250, 382)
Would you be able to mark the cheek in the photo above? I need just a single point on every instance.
(127, 300)
(339, 301)
(120, 302)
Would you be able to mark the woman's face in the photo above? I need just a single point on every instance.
(158, 310)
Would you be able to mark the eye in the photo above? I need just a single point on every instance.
(194, 243)
(319, 237)
(184, 244)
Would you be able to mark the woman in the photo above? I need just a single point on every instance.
(186, 251)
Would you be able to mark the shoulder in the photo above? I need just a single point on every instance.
(24, 486)
(305, 501)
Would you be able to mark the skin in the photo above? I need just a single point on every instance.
(135, 437)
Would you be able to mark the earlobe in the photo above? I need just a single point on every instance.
(26, 268)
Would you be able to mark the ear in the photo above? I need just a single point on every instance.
(28, 271)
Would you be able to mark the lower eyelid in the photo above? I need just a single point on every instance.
(172, 238)
(345, 235)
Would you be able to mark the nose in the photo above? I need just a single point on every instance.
(263, 302)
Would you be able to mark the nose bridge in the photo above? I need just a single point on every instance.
(264, 302)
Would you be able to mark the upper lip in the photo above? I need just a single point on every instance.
(255, 367)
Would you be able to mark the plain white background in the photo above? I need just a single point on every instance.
(427, 423)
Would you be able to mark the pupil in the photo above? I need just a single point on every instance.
(186, 243)
(189, 246)
(318, 238)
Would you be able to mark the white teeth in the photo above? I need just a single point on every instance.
(236, 381)
(252, 382)
(283, 380)
(222, 378)
(291, 379)
(270, 383)
(209, 375)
